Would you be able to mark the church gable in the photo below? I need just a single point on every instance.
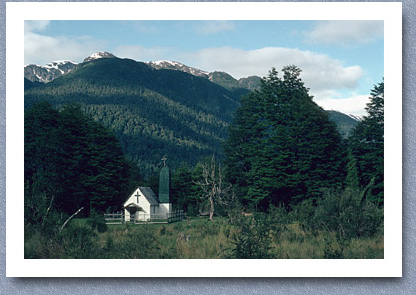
(142, 197)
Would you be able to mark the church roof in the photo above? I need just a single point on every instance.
(149, 195)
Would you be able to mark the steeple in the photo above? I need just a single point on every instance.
(164, 183)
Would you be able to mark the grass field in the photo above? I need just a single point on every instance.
(199, 238)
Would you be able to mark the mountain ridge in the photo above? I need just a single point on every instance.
(154, 112)
(47, 73)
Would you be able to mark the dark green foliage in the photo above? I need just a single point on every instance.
(153, 112)
(367, 145)
(140, 243)
(282, 148)
(78, 241)
(72, 162)
(186, 194)
(29, 84)
(348, 213)
(97, 222)
(253, 241)
(352, 180)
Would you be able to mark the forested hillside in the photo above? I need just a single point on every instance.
(153, 112)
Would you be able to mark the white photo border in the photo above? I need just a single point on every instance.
(390, 13)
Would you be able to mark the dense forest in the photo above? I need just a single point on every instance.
(273, 153)
(73, 162)
(155, 112)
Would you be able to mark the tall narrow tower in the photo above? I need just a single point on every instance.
(165, 204)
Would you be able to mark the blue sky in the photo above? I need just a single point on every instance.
(340, 60)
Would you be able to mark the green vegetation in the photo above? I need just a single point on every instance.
(152, 112)
(287, 184)
(262, 236)
(282, 147)
(72, 162)
(367, 145)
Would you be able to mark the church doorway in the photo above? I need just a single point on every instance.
(133, 209)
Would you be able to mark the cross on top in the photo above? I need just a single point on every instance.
(137, 195)
(164, 161)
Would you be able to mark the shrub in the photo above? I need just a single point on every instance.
(140, 242)
(254, 239)
(348, 213)
(78, 241)
(97, 222)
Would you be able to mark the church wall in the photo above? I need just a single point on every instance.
(165, 208)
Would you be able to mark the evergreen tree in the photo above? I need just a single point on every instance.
(73, 160)
(186, 194)
(282, 148)
(367, 144)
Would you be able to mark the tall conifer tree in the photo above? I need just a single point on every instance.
(282, 148)
(367, 144)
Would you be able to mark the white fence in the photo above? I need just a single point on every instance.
(114, 218)
(140, 217)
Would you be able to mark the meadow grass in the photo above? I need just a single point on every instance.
(196, 238)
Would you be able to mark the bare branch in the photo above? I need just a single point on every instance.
(79, 210)
(47, 210)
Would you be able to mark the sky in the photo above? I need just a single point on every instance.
(341, 61)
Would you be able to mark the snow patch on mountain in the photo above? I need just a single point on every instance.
(48, 72)
(99, 55)
(174, 65)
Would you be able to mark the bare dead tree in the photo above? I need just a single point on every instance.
(62, 227)
(213, 186)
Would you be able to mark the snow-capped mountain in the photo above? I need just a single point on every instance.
(56, 69)
(98, 55)
(173, 65)
(48, 72)
(220, 78)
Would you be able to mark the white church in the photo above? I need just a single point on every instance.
(143, 205)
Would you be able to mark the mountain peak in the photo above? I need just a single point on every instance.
(48, 72)
(174, 65)
(98, 55)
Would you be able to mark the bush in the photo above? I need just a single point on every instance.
(141, 242)
(348, 213)
(97, 222)
(254, 239)
(78, 241)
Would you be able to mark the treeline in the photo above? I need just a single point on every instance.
(283, 150)
(72, 162)
(284, 165)
(153, 112)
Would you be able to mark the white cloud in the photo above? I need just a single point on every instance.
(354, 105)
(326, 77)
(320, 72)
(42, 49)
(346, 33)
(213, 27)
